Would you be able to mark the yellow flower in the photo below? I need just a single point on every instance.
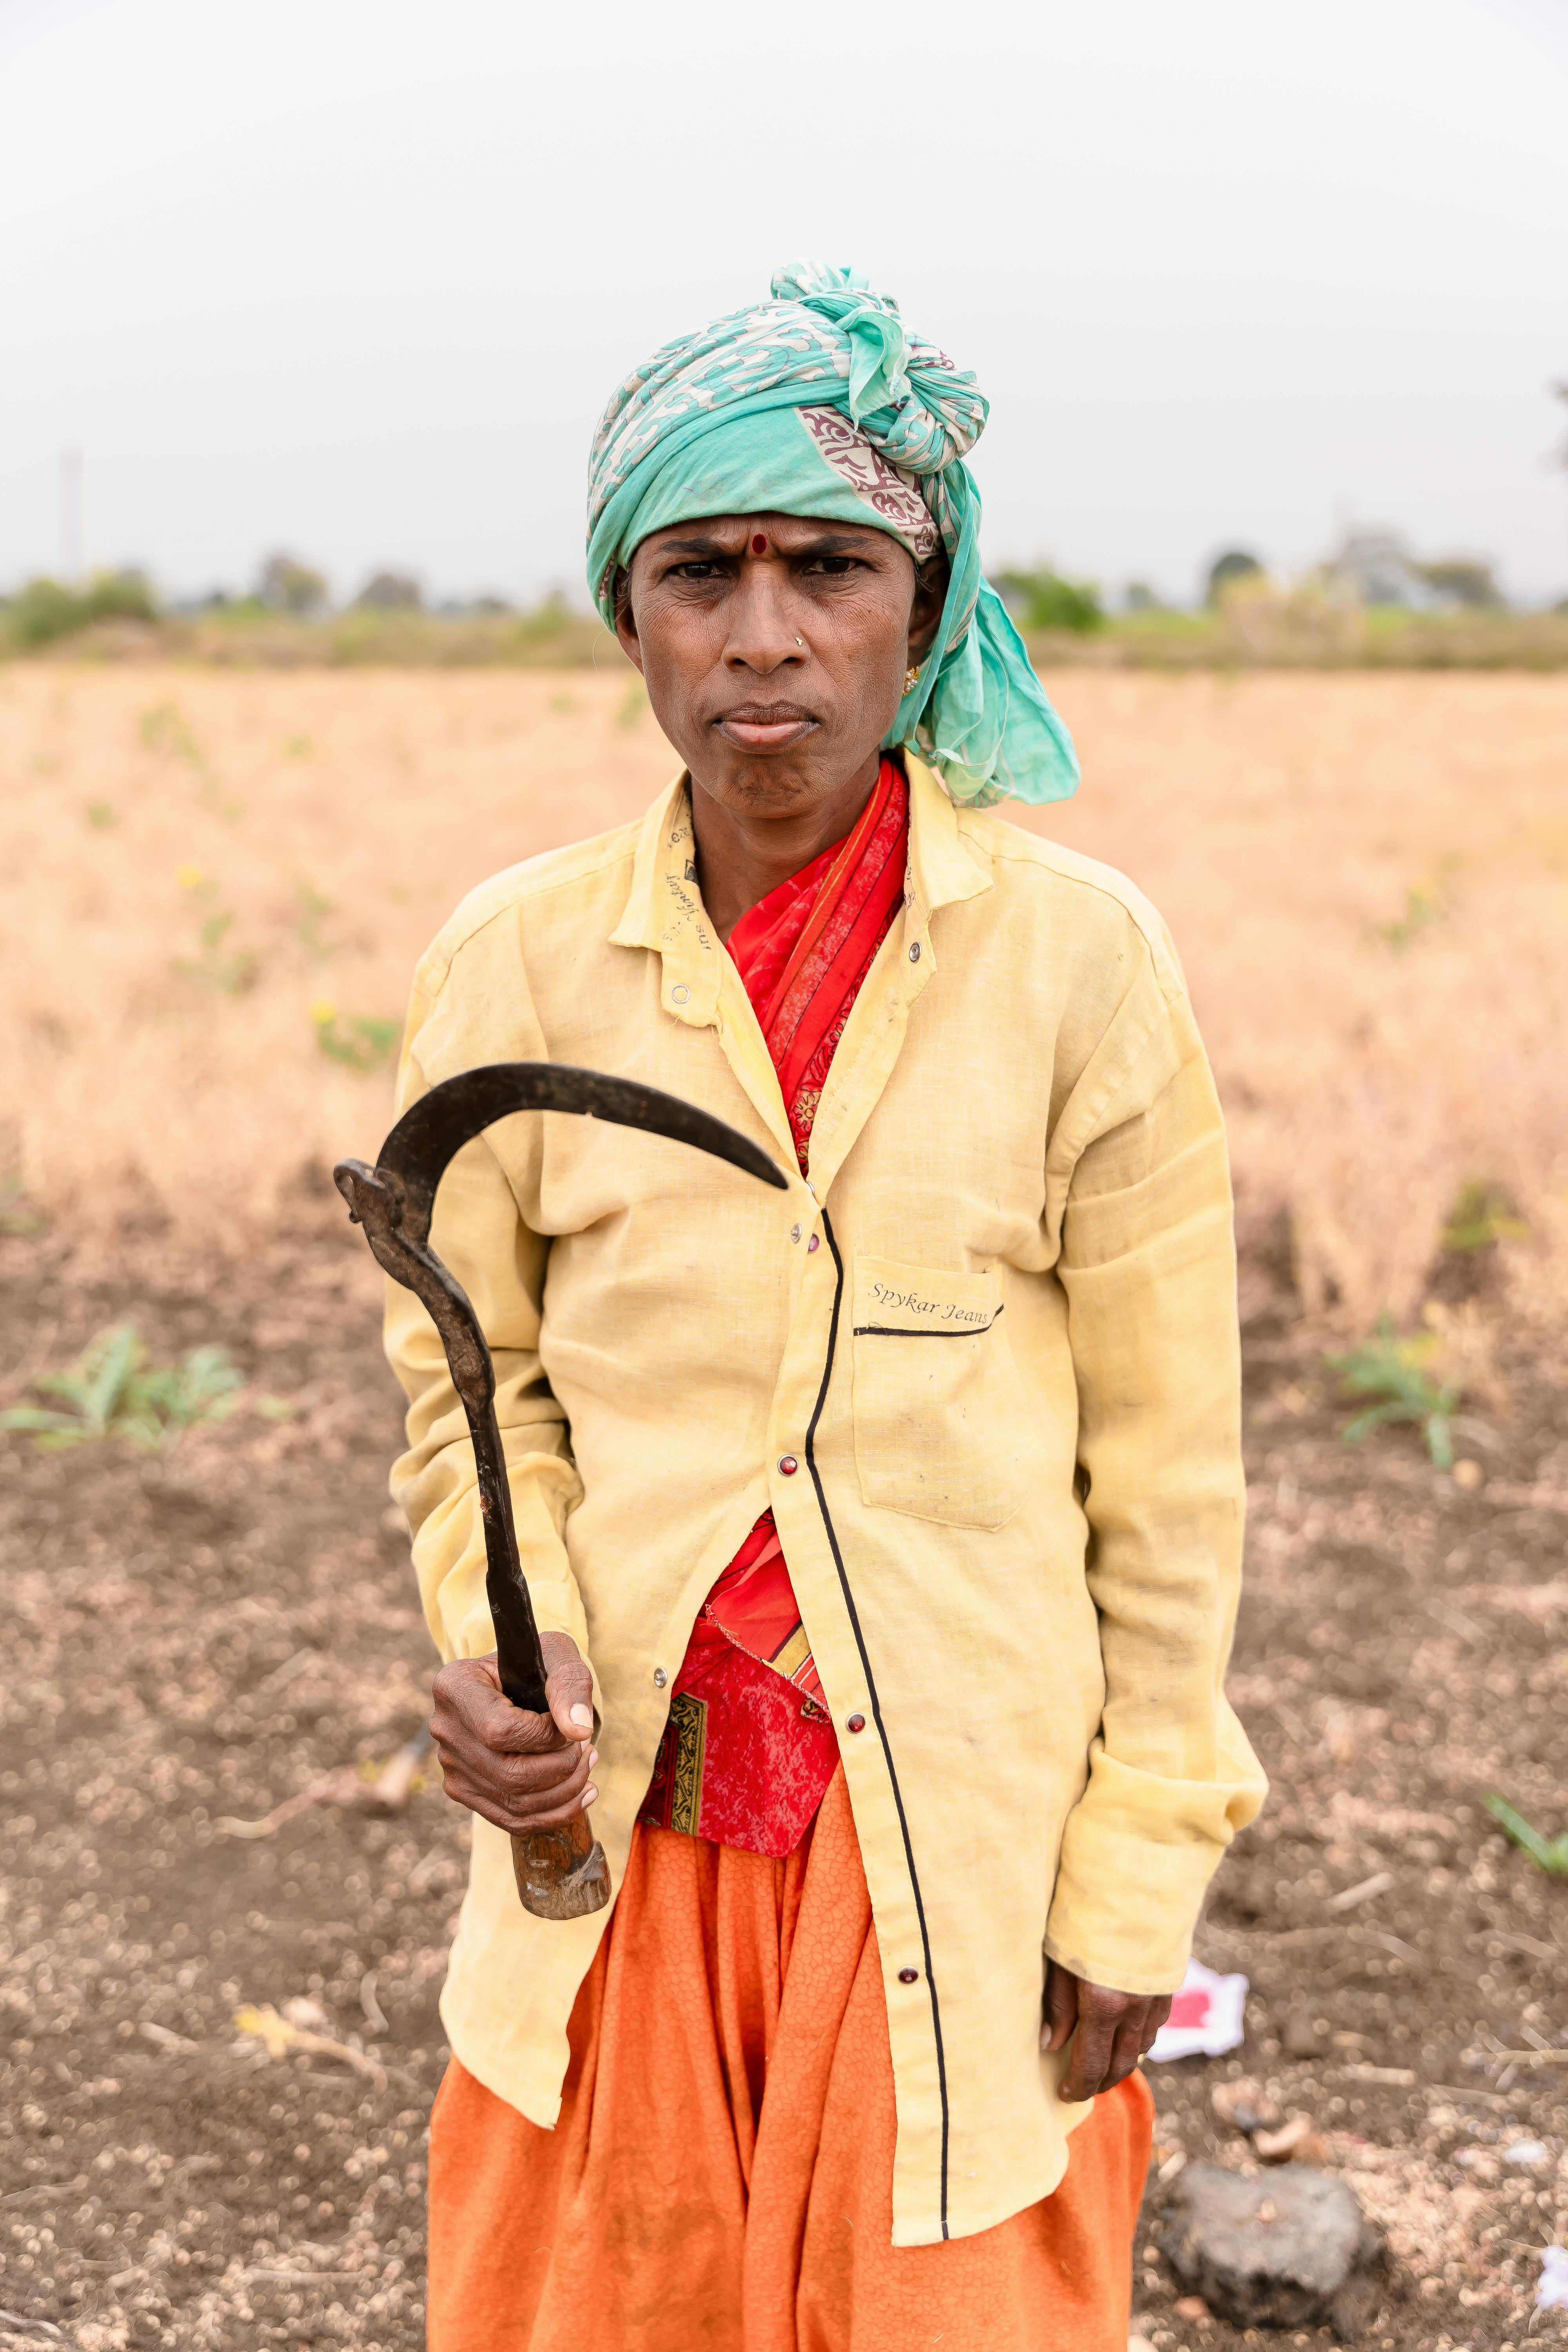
(323, 1013)
(189, 877)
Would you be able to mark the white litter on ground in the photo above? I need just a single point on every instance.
(1551, 2295)
(1207, 2017)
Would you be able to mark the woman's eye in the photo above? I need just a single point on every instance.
(833, 566)
(700, 568)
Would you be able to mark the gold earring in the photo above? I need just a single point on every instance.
(911, 677)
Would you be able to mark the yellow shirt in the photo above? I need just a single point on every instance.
(1008, 1374)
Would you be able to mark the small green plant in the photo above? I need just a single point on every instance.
(112, 1391)
(312, 908)
(358, 1040)
(1482, 1214)
(1550, 1854)
(1396, 1372)
(102, 817)
(165, 730)
(231, 970)
(15, 1217)
(1428, 902)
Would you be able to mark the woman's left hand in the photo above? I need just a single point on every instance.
(1110, 2031)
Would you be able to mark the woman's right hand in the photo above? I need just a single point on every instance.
(521, 1771)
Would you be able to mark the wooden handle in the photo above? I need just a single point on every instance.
(561, 1873)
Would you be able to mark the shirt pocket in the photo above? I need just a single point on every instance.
(940, 1428)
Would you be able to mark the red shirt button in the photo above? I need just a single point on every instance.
(788, 1464)
(856, 1723)
(909, 1975)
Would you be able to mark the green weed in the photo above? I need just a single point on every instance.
(1395, 1373)
(359, 1041)
(164, 730)
(1482, 1214)
(1550, 1854)
(112, 1391)
(231, 970)
(312, 908)
(15, 1217)
(1428, 902)
(102, 817)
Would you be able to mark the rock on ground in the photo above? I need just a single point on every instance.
(1290, 2249)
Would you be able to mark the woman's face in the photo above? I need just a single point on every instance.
(775, 649)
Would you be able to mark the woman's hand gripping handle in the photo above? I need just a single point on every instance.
(528, 1773)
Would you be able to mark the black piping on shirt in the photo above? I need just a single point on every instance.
(871, 1682)
(897, 1331)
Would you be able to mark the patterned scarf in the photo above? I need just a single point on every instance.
(803, 951)
(822, 402)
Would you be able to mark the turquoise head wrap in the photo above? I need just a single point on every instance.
(821, 402)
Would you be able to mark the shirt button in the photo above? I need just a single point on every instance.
(915, 952)
(815, 1243)
(788, 1464)
(856, 1723)
(909, 1975)
(678, 995)
(795, 1233)
(659, 1678)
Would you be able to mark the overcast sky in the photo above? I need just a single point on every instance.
(355, 276)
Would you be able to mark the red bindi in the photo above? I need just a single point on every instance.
(759, 545)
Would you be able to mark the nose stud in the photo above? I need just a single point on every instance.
(800, 641)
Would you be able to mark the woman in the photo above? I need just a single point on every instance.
(884, 1531)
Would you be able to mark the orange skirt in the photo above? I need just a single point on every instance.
(675, 2206)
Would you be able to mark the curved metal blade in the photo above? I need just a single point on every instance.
(457, 1110)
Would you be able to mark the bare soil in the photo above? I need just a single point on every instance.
(196, 1637)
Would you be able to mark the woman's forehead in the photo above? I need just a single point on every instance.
(733, 530)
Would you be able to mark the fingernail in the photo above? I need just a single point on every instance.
(590, 1796)
(584, 1718)
(592, 1758)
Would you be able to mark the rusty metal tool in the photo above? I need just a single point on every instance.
(561, 1874)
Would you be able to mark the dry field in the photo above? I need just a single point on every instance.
(1367, 877)
(1368, 880)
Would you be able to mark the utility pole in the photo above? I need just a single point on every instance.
(70, 516)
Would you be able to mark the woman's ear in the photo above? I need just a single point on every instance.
(626, 619)
(930, 594)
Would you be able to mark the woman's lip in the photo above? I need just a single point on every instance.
(765, 734)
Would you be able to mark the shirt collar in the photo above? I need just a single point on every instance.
(664, 909)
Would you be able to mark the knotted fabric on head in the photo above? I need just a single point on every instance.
(821, 402)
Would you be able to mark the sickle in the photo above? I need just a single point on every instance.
(561, 1874)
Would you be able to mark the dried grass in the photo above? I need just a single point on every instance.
(1367, 877)
(1368, 882)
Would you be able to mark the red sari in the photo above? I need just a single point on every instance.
(750, 1748)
